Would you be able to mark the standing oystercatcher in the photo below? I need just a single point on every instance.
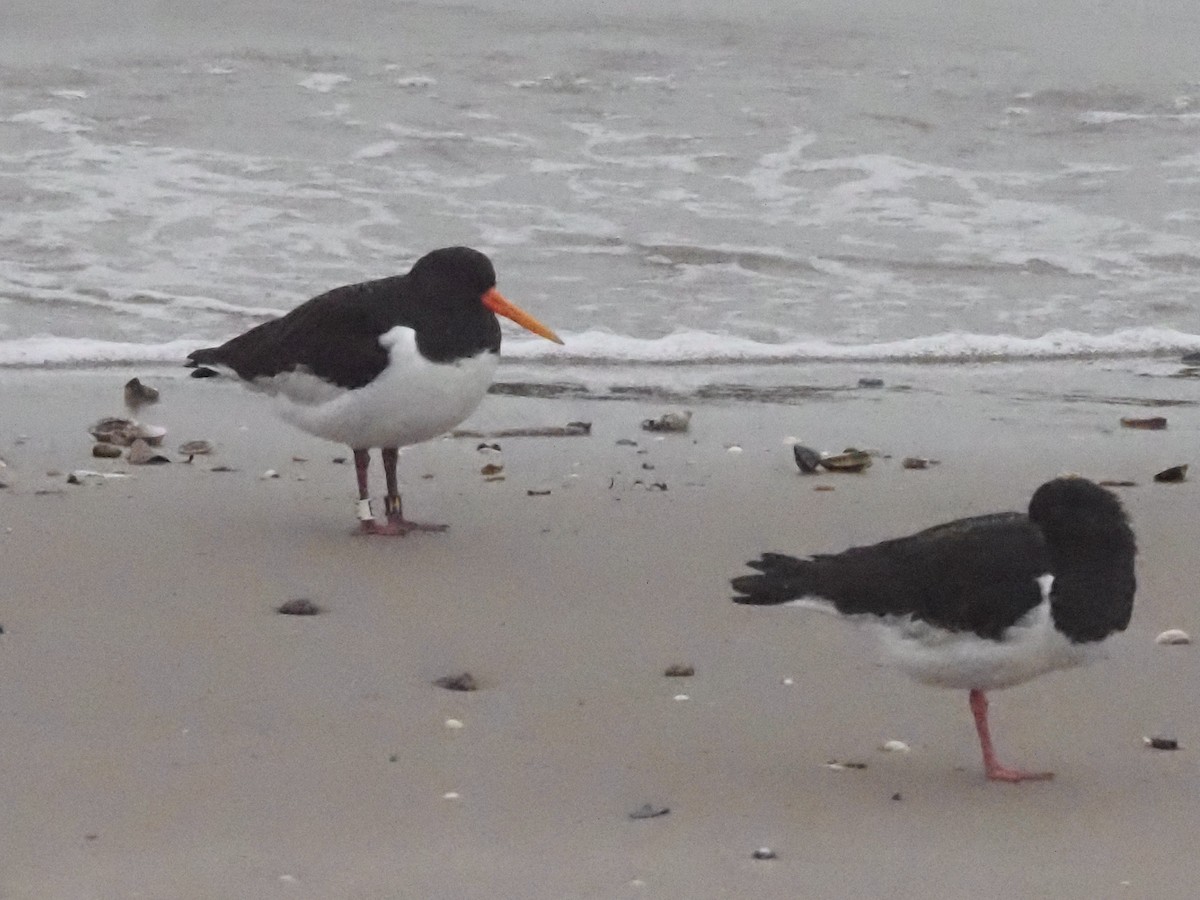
(384, 363)
(980, 603)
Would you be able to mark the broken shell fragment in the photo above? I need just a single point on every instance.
(806, 458)
(142, 454)
(672, 421)
(1173, 637)
(1152, 423)
(1171, 475)
(491, 469)
(151, 434)
(895, 747)
(850, 460)
(1161, 743)
(649, 811)
(114, 430)
(915, 462)
(105, 450)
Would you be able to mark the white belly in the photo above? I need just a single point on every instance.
(964, 660)
(412, 400)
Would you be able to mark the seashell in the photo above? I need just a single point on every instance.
(105, 450)
(195, 448)
(141, 454)
(1173, 637)
(1153, 423)
(151, 434)
(113, 430)
(1173, 474)
(895, 747)
(453, 724)
(850, 460)
(138, 394)
(806, 458)
(672, 421)
(268, 475)
(764, 853)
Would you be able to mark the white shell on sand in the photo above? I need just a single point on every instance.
(454, 723)
(1173, 636)
(895, 747)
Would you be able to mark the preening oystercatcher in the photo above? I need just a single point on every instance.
(980, 603)
(384, 363)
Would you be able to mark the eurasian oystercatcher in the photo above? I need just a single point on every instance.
(384, 363)
(981, 603)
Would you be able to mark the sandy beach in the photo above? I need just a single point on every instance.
(166, 734)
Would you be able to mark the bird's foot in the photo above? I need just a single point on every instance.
(997, 772)
(407, 525)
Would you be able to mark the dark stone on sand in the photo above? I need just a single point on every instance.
(626, 442)
(138, 394)
(1172, 475)
(339, 460)
(533, 493)
(897, 797)
(764, 853)
(298, 607)
(203, 372)
(105, 450)
(464, 682)
(649, 811)
(870, 382)
(680, 670)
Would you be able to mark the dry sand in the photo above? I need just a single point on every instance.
(166, 734)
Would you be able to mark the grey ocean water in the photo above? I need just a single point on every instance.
(682, 181)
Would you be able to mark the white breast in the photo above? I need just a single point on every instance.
(410, 401)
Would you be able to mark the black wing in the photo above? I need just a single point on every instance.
(977, 574)
(335, 336)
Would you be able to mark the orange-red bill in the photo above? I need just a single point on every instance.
(495, 301)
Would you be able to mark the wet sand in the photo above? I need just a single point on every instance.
(167, 734)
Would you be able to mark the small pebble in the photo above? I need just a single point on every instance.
(870, 382)
(1161, 743)
(298, 607)
(764, 853)
(104, 450)
(895, 747)
(680, 670)
(454, 724)
(733, 448)
(807, 459)
(339, 460)
(491, 469)
(915, 462)
(1172, 475)
(788, 682)
(842, 766)
(897, 796)
(463, 682)
(1173, 636)
(269, 474)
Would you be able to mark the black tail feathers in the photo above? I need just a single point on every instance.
(783, 578)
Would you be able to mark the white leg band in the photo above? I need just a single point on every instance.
(364, 511)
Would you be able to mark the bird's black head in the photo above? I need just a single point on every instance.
(453, 274)
(1078, 515)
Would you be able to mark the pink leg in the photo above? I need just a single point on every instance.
(995, 771)
(362, 462)
(391, 503)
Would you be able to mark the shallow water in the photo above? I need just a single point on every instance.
(689, 184)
